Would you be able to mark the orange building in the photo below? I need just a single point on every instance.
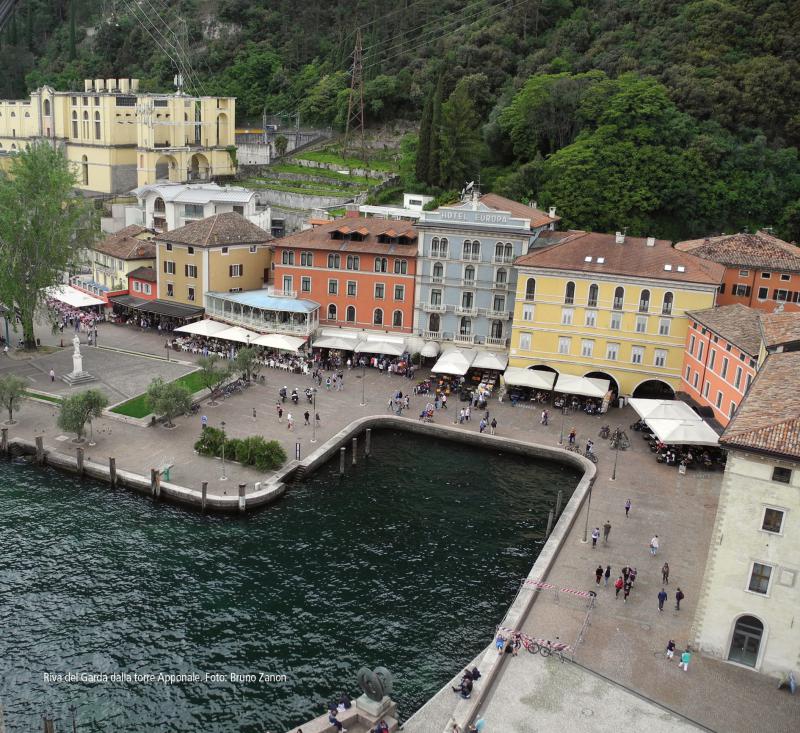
(143, 283)
(360, 271)
(761, 271)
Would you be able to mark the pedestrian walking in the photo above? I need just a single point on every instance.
(686, 657)
(467, 413)
(254, 414)
(670, 649)
(662, 596)
(626, 591)
(52, 376)
(572, 434)
(625, 572)
(632, 575)
(606, 531)
(654, 545)
(494, 425)
(665, 573)
(328, 384)
(678, 598)
(598, 574)
(289, 421)
(607, 575)
(595, 536)
(627, 508)
(280, 412)
(318, 421)
(461, 416)
(444, 401)
(5, 350)
(482, 425)
(307, 415)
(618, 584)
(544, 417)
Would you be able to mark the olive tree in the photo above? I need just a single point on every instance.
(12, 392)
(78, 409)
(213, 372)
(168, 399)
(246, 361)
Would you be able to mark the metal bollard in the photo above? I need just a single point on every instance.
(242, 500)
(367, 442)
(549, 524)
(112, 472)
(4, 440)
(355, 451)
(559, 500)
(39, 450)
(341, 460)
(80, 461)
(203, 495)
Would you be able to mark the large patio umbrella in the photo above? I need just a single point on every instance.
(662, 409)
(206, 327)
(279, 341)
(237, 333)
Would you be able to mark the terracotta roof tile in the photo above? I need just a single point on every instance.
(129, 244)
(320, 237)
(521, 211)
(759, 250)
(768, 420)
(780, 328)
(633, 257)
(736, 323)
(144, 273)
(218, 230)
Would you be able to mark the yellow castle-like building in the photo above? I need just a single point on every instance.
(611, 307)
(119, 138)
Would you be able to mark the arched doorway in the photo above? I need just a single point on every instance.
(222, 130)
(614, 386)
(543, 368)
(654, 389)
(198, 168)
(166, 168)
(434, 323)
(746, 641)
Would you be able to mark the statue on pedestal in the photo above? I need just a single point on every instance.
(77, 359)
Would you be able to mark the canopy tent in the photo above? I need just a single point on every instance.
(431, 348)
(72, 296)
(585, 386)
(237, 333)
(683, 432)
(533, 378)
(343, 343)
(279, 341)
(662, 409)
(414, 344)
(490, 360)
(393, 348)
(206, 327)
(455, 361)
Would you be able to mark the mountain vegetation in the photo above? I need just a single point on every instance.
(668, 117)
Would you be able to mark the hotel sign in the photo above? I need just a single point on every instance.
(486, 217)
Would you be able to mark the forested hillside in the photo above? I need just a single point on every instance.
(667, 117)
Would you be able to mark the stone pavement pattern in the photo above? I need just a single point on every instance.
(624, 641)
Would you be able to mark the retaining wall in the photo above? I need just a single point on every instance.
(300, 200)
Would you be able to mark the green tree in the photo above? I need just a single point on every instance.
(789, 227)
(80, 408)
(422, 163)
(73, 53)
(12, 392)
(434, 153)
(281, 143)
(213, 372)
(461, 143)
(168, 399)
(43, 227)
(245, 361)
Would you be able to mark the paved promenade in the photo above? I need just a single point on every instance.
(624, 641)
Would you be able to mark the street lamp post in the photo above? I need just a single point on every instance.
(363, 379)
(223, 477)
(314, 416)
(616, 456)
(166, 348)
(563, 414)
(588, 506)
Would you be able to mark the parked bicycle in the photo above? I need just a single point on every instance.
(604, 432)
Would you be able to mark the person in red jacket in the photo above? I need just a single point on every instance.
(618, 585)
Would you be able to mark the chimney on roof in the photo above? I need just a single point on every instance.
(534, 205)
(551, 212)
(620, 238)
(651, 241)
(87, 85)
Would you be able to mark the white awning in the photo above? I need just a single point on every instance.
(533, 378)
(279, 341)
(237, 333)
(683, 432)
(206, 327)
(72, 296)
(490, 360)
(335, 342)
(391, 348)
(414, 344)
(431, 348)
(585, 386)
(456, 361)
(663, 409)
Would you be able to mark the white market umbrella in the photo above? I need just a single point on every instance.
(205, 327)
(237, 333)
(279, 341)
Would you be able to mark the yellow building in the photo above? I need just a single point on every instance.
(223, 253)
(608, 306)
(113, 258)
(118, 138)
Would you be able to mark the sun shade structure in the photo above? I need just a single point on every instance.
(236, 333)
(279, 341)
(683, 432)
(663, 409)
(72, 296)
(584, 386)
(342, 341)
(456, 361)
(533, 378)
(206, 327)
(431, 348)
(393, 348)
(490, 360)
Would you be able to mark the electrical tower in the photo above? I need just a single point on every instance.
(354, 132)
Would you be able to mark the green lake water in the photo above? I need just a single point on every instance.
(409, 562)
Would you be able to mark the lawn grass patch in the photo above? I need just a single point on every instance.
(138, 406)
(323, 173)
(326, 156)
(46, 397)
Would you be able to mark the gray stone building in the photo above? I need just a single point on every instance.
(466, 282)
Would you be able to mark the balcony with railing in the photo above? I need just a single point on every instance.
(617, 304)
(497, 315)
(434, 307)
(437, 279)
(503, 259)
(666, 309)
(591, 303)
(464, 338)
(500, 285)
(497, 342)
(644, 306)
(471, 257)
(463, 310)
(432, 335)
(468, 282)
(280, 293)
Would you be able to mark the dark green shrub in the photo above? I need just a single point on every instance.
(210, 442)
(269, 456)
